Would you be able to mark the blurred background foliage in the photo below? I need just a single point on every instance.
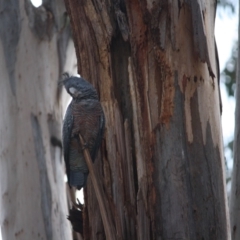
(228, 78)
(226, 4)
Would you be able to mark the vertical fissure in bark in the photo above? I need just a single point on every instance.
(46, 196)
(120, 52)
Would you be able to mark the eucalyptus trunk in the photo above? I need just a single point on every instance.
(33, 201)
(161, 164)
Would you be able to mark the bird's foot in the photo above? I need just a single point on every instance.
(79, 205)
(85, 146)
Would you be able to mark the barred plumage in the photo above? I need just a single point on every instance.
(84, 116)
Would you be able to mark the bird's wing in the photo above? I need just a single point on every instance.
(66, 133)
(89, 121)
(101, 122)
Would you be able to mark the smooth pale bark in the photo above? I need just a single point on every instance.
(235, 197)
(161, 162)
(33, 202)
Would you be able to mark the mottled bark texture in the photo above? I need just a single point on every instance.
(33, 202)
(161, 163)
(235, 190)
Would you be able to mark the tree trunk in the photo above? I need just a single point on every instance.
(161, 163)
(234, 197)
(33, 201)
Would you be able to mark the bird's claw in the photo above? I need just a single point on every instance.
(79, 205)
(85, 146)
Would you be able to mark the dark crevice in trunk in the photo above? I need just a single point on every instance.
(120, 52)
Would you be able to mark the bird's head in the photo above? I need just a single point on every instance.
(79, 88)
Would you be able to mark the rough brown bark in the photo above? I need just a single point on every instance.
(234, 198)
(154, 65)
(32, 51)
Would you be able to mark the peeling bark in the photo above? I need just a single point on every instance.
(162, 156)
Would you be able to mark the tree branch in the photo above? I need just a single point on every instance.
(107, 224)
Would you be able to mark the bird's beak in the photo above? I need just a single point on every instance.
(65, 76)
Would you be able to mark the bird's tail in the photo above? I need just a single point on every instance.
(78, 179)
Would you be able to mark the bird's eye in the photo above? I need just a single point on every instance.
(72, 90)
